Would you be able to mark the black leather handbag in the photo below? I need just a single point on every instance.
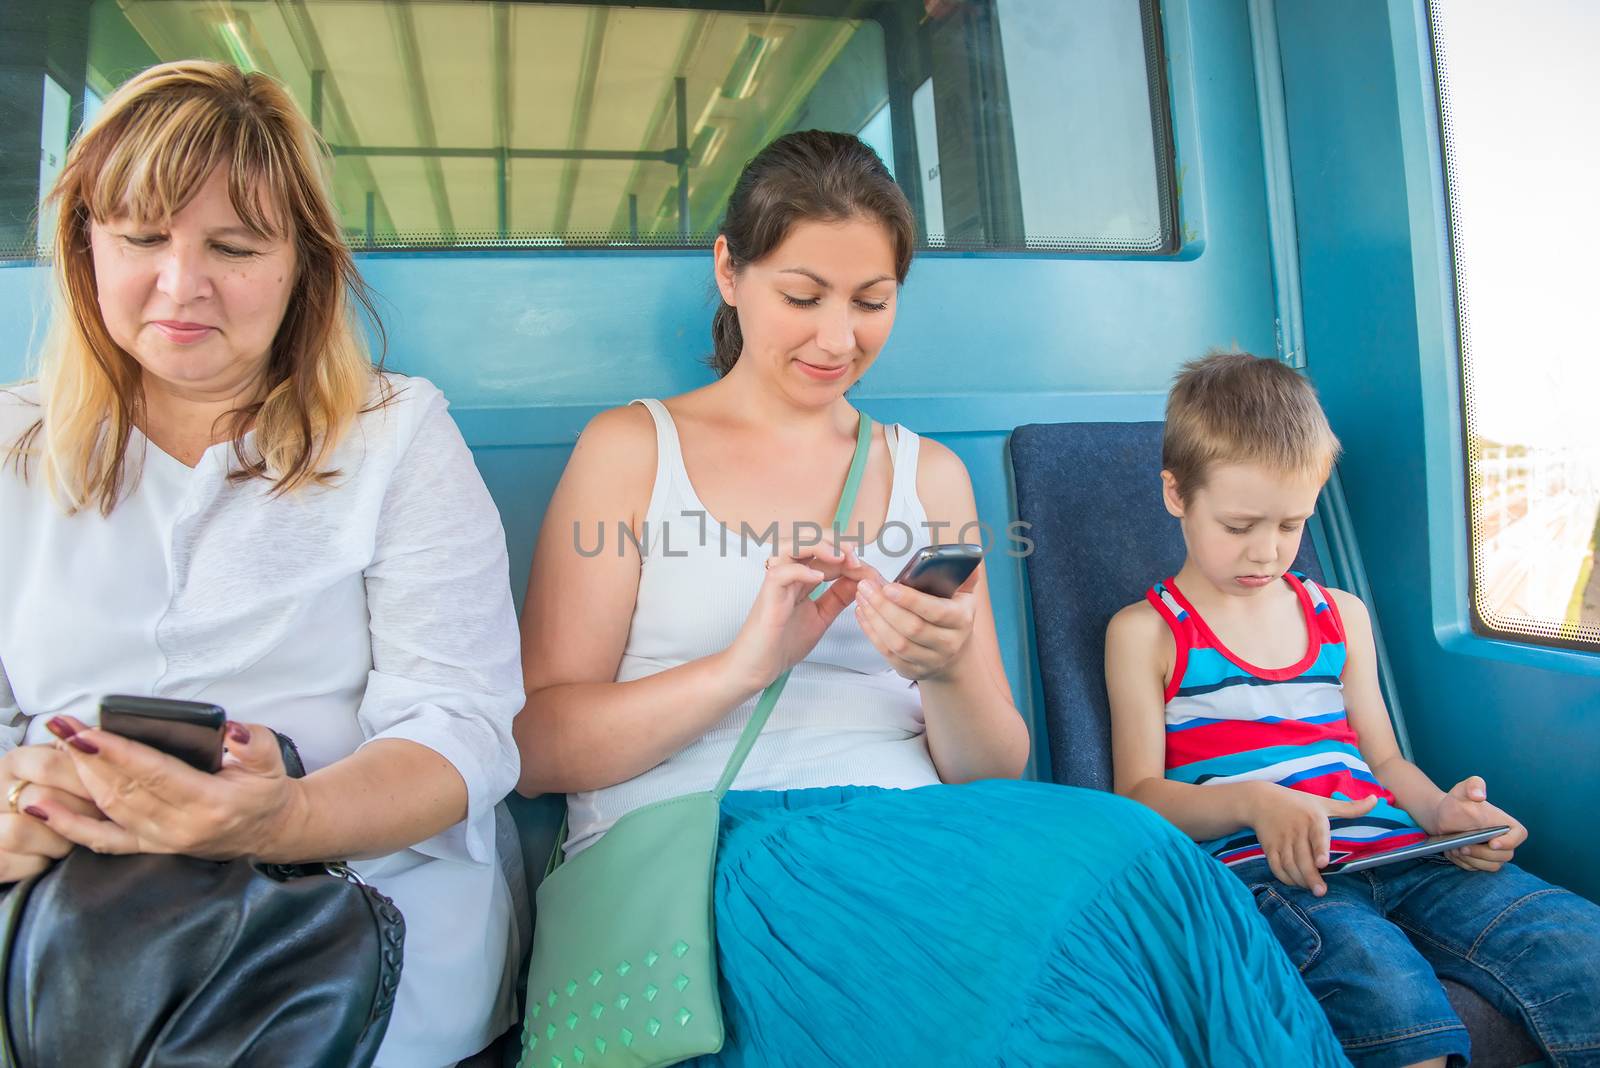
(175, 962)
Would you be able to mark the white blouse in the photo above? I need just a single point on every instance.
(379, 607)
(845, 718)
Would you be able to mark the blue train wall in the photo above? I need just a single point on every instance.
(528, 345)
(1381, 345)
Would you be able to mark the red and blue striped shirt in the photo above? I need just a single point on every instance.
(1230, 721)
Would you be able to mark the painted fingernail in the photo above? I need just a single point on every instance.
(238, 733)
(36, 812)
(59, 727)
(83, 745)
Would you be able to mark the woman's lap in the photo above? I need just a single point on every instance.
(1002, 923)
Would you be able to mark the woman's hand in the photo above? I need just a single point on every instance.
(785, 624)
(154, 803)
(919, 634)
(1466, 808)
(31, 777)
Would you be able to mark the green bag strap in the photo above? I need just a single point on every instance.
(558, 852)
(769, 696)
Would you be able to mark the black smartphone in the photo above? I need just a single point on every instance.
(188, 730)
(1439, 843)
(941, 569)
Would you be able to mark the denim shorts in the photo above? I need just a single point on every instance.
(1373, 948)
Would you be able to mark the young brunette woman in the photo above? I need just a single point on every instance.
(869, 909)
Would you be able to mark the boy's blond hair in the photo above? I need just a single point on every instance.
(1235, 408)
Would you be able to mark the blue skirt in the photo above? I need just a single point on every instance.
(999, 923)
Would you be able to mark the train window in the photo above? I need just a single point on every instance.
(1012, 123)
(1515, 82)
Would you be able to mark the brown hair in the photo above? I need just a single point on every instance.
(812, 175)
(147, 154)
(1231, 408)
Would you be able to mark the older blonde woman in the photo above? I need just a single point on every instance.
(213, 494)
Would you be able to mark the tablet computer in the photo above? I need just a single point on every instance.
(1439, 843)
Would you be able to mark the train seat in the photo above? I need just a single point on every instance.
(1101, 535)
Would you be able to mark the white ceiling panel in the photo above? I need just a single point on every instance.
(551, 61)
(535, 184)
(640, 62)
(474, 202)
(403, 183)
(365, 63)
(546, 52)
(456, 43)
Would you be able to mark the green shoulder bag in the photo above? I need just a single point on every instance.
(624, 970)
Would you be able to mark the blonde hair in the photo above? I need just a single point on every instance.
(147, 153)
(1234, 408)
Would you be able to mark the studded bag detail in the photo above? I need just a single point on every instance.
(624, 969)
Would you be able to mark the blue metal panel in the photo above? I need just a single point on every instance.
(25, 313)
(1380, 341)
(1345, 568)
(529, 344)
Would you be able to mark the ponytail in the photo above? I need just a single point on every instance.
(726, 340)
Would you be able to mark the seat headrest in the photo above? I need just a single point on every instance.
(1091, 494)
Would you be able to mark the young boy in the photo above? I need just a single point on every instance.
(1245, 708)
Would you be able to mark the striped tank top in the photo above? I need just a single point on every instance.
(1229, 721)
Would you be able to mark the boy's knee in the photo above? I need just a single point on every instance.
(1386, 999)
(1371, 981)
(1549, 939)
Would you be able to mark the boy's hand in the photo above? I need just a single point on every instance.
(1466, 808)
(1294, 830)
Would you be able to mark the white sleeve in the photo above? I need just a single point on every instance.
(446, 660)
(13, 724)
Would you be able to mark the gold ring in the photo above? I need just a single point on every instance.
(14, 794)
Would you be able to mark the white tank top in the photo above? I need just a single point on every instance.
(845, 718)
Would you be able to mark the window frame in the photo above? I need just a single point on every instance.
(1436, 71)
(1176, 240)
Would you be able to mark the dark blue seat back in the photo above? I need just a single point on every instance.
(1091, 493)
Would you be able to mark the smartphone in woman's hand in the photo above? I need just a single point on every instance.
(188, 730)
(940, 569)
